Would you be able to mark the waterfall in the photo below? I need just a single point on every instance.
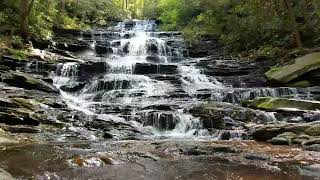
(148, 83)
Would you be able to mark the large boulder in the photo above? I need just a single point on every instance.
(218, 115)
(301, 66)
(281, 104)
(267, 132)
(25, 81)
(210, 117)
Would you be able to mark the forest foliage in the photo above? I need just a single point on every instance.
(265, 26)
(41, 16)
(246, 25)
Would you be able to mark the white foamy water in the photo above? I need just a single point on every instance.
(187, 127)
(193, 80)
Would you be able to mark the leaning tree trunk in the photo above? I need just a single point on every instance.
(25, 9)
(293, 22)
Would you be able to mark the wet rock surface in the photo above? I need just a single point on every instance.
(177, 159)
(23, 80)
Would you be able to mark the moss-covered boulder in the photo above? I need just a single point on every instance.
(25, 81)
(302, 65)
(280, 104)
(283, 139)
(270, 131)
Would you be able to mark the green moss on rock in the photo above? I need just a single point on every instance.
(18, 54)
(274, 104)
(285, 130)
(300, 84)
(313, 130)
(301, 66)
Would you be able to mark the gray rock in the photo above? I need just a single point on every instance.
(22, 80)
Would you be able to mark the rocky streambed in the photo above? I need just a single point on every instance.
(129, 102)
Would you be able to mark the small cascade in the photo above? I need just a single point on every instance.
(66, 73)
(181, 125)
(236, 95)
(69, 69)
(194, 81)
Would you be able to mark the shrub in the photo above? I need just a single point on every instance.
(17, 42)
(18, 54)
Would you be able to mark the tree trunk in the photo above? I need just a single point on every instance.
(25, 9)
(293, 22)
(62, 10)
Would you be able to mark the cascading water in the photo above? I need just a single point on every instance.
(122, 86)
(145, 83)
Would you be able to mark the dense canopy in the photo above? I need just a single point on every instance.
(266, 27)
